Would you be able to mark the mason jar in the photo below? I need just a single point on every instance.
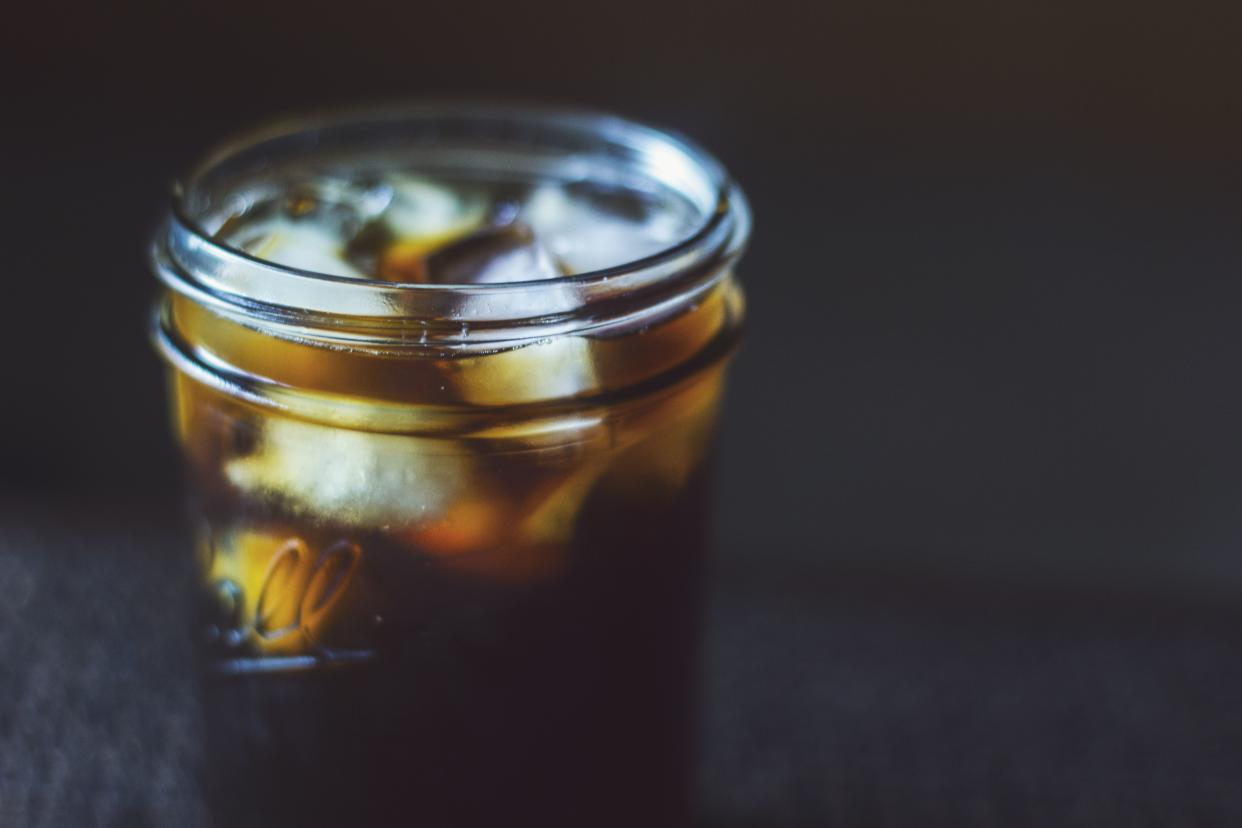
(445, 379)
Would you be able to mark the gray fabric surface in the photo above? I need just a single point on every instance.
(835, 698)
(97, 719)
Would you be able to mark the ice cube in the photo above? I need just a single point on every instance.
(540, 370)
(662, 442)
(589, 227)
(503, 253)
(552, 513)
(420, 217)
(366, 249)
(352, 477)
(545, 370)
(422, 209)
(470, 524)
(518, 536)
(309, 227)
(301, 244)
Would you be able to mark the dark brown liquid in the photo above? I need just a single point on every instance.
(566, 702)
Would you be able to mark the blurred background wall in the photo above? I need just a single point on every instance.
(994, 289)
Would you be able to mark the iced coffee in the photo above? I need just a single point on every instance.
(445, 379)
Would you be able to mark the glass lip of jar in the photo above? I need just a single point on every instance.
(235, 283)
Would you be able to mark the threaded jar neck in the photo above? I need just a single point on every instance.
(192, 258)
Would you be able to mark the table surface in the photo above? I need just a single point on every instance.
(844, 698)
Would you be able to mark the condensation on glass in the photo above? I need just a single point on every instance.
(445, 379)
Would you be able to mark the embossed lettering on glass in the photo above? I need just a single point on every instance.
(445, 379)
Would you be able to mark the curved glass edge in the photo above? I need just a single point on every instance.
(664, 154)
(186, 259)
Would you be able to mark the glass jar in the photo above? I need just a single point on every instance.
(448, 529)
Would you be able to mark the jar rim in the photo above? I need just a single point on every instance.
(188, 259)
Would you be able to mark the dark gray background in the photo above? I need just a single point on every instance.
(980, 475)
